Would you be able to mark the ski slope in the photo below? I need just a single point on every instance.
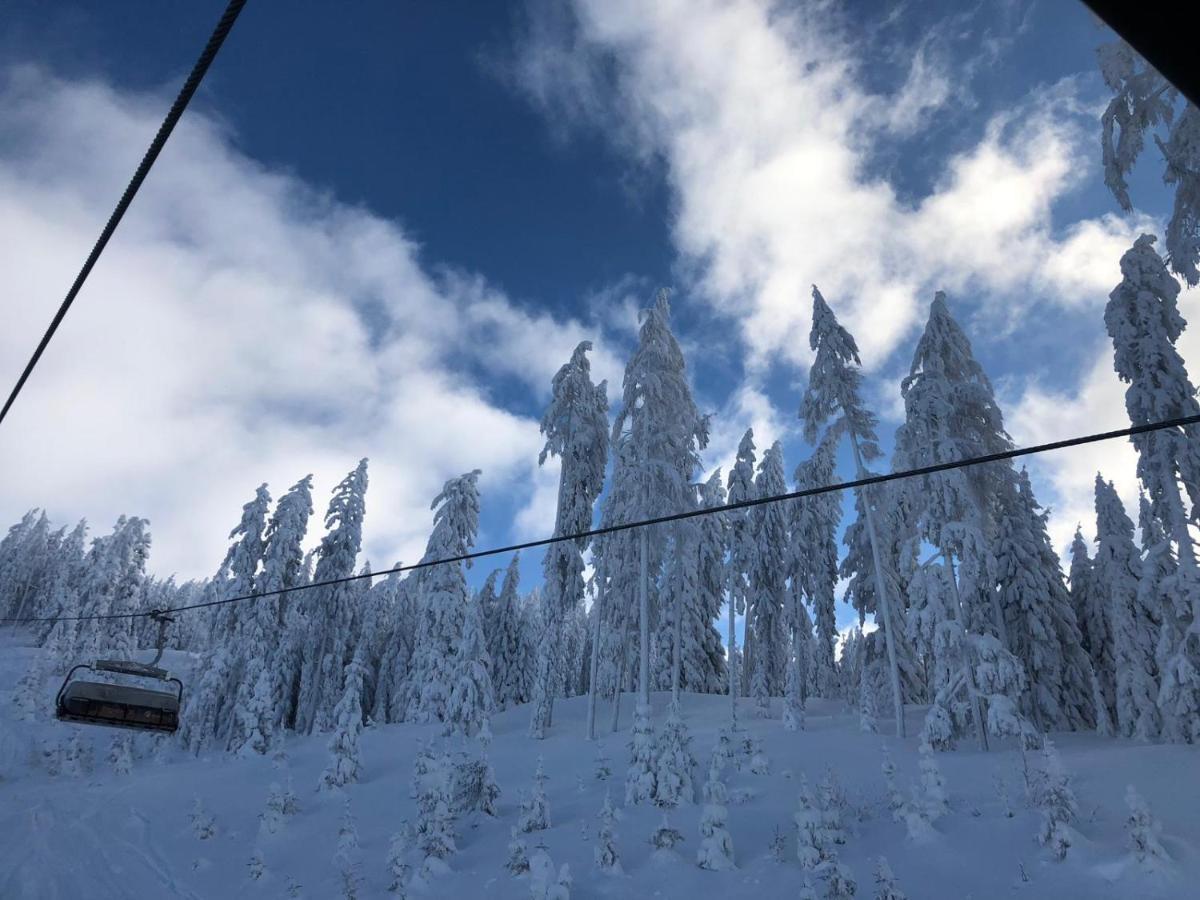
(103, 836)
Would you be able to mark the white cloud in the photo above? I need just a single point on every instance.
(767, 133)
(241, 327)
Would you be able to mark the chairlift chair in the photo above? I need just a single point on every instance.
(122, 705)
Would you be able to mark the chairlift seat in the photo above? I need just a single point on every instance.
(120, 705)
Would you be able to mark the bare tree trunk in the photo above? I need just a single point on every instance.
(980, 722)
(881, 591)
(595, 667)
(618, 688)
(644, 616)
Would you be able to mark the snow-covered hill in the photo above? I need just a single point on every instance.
(100, 835)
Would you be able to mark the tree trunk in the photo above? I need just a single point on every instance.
(980, 722)
(881, 591)
(619, 687)
(595, 668)
(644, 615)
(733, 669)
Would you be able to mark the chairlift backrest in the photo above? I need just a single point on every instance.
(120, 705)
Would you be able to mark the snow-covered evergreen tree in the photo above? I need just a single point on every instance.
(202, 823)
(343, 767)
(576, 430)
(1095, 628)
(673, 762)
(546, 882)
(1142, 831)
(435, 815)
(885, 882)
(471, 698)
(643, 766)
(330, 639)
(814, 563)
(1143, 320)
(767, 583)
(1056, 802)
(834, 393)
(346, 854)
(895, 799)
(1040, 617)
(518, 854)
(741, 557)
(1145, 102)
(933, 800)
(813, 846)
(442, 598)
(608, 859)
(398, 869)
(716, 844)
(657, 436)
(505, 645)
(1135, 625)
(535, 808)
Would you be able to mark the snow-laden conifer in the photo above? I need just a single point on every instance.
(330, 639)
(506, 646)
(546, 882)
(657, 436)
(1143, 320)
(1092, 612)
(1144, 103)
(643, 766)
(716, 844)
(576, 429)
(1135, 625)
(1142, 832)
(673, 762)
(834, 393)
(442, 598)
(885, 882)
(398, 870)
(535, 808)
(741, 557)
(608, 858)
(344, 763)
(471, 696)
(767, 587)
(1056, 803)
(1040, 618)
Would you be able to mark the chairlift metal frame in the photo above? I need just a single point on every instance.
(121, 705)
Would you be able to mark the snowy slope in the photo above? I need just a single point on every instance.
(100, 836)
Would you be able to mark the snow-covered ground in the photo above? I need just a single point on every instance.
(101, 836)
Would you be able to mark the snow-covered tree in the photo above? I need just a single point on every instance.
(1142, 831)
(608, 859)
(442, 598)
(120, 754)
(576, 430)
(741, 556)
(346, 854)
(1135, 625)
(1094, 616)
(643, 765)
(343, 766)
(546, 882)
(932, 800)
(1040, 618)
(895, 799)
(535, 808)
(331, 635)
(202, 823)
(518, 854)
(1145, 102)
(767, 583)
(1056, 802)
(716, 844)
(435, 815)
(1143, 320)
(471, 698)
(398, 869)
(673, 762)
(885, 882)
(505, 645)
(834, 393)
(657, 435)
(814, 563)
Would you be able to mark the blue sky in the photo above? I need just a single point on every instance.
(381, 228)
